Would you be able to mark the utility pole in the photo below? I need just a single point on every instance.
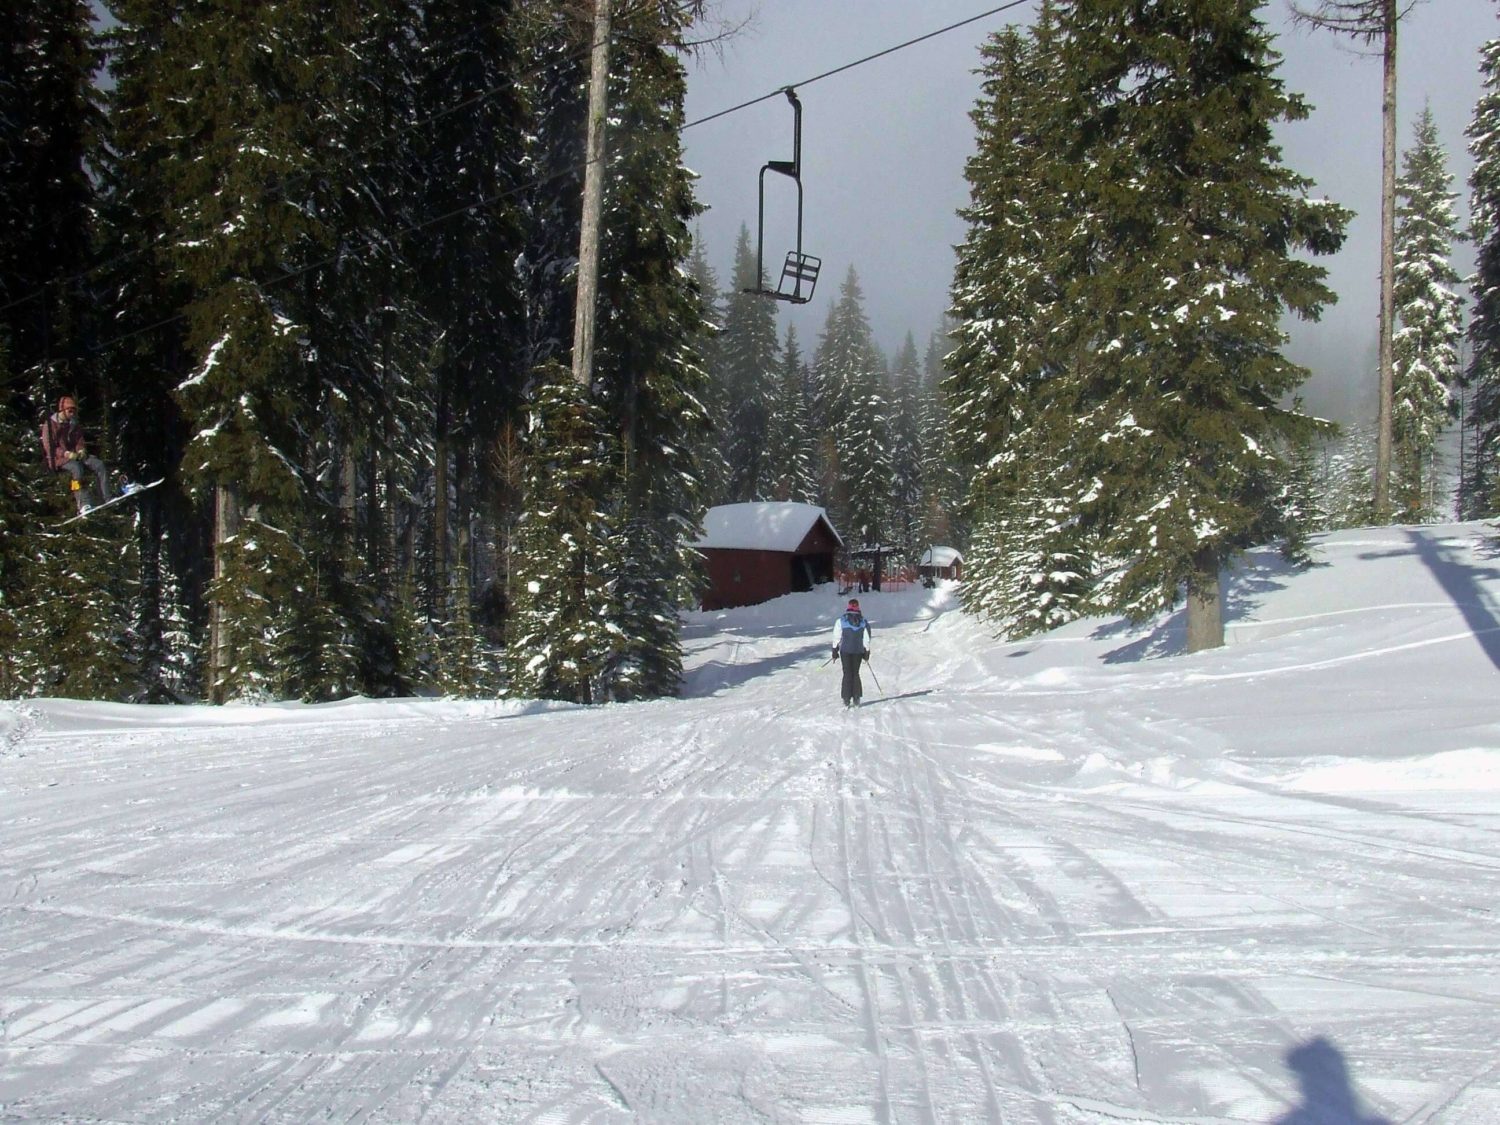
(1372, 21)
(593, 201)
(1384, 435)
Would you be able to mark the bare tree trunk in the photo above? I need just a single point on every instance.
(220, 648)
(440, 513)
(593, 201)
(372, 524)
(1372, 21)
(348, 511)
(1205, 605)
(1383, 438)
(462, 516)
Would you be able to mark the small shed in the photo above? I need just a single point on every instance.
(759, 551)
(941, 562)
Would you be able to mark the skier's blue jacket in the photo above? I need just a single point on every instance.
(851, 632)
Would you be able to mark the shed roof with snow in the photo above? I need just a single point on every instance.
(762, 526)
(941, 556)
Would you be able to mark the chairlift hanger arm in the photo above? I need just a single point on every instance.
(799, 268)
(792, 167)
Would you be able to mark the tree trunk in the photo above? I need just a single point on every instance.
(440, 512)
(348, 512)
(220, 641)
(1205, 605)
(1383, 438)
(593, 201)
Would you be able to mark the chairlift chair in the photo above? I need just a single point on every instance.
(799, 269)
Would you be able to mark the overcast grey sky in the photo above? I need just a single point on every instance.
(884, 146)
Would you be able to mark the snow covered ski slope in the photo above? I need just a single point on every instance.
(1074, 879)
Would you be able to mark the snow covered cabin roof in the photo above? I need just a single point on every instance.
(940, 556)
(765, 526)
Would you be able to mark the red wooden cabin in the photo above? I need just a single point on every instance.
(756, 552)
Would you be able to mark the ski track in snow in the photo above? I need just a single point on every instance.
(1028, 882)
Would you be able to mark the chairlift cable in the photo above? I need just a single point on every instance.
(514, 189)
(857, 62)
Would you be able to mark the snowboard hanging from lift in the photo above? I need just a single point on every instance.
(112, 501)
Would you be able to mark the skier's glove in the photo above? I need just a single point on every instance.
(867, 658)
(835, 655)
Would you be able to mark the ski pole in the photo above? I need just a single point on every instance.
(876, 678)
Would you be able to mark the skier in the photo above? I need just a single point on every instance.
(64, 452)
(851, 641)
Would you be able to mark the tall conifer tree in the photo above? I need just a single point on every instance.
(239, 230)
(49, 131)
(1180, 375)
(49, 126)
(905, 453)
(1429, 312)
(847, 373)
(748, 358)
(789, 446)
(1483, 485)
(650, 376)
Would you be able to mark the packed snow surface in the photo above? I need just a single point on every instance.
(1081, 878)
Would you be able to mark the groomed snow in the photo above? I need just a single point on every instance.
(1075, 879)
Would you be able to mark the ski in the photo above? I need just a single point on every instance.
(112, 501)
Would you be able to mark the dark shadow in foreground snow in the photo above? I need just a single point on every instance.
(716, 675)
(1328, 1096)
(894, 698)
(1243, 591)
(1460, 581)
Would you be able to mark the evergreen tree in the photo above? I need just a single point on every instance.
(22, 512)
(469, 668)
(147, 357)
(1473, 487)
(904, 529)
(367, 445)
(172, 671)
(1004, 291)
(470, 239)
(1430, 314)
(748, 359)
(789, 444)
(649, 376)
(847, 373)
(49, 126)
(942, 487)
(713, 469)
(555, 65)
(1177, 380)
(236, 233)
(1011, 409)
(1044, 559)
(560, 641)
(79, 620)
(1344, 463)
(1483, 486)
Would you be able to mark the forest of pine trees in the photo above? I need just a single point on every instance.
(315, 265)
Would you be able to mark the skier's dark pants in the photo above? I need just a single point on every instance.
(852, 688)
(79, 469)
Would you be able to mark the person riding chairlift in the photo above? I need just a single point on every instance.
(64, 451)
